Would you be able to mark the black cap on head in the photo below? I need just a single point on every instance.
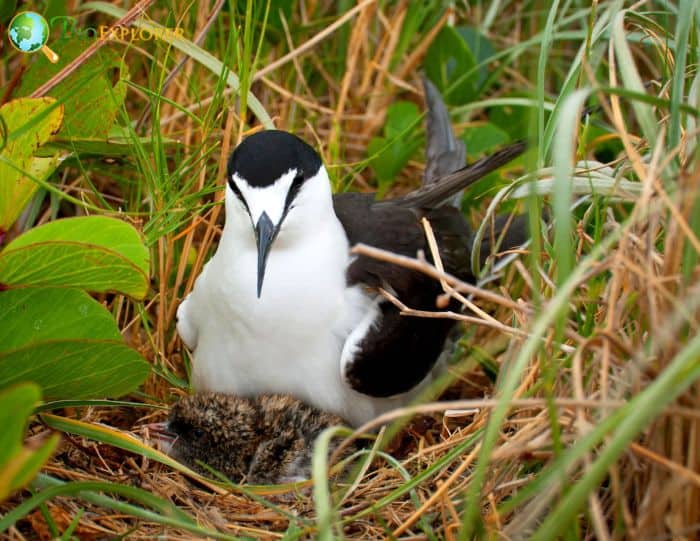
(265, 156)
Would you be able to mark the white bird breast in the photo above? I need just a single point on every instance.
(290, 339)
(307, 323)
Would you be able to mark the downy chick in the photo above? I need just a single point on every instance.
(263, 440)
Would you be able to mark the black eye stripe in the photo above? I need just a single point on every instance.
(293, 190)
(238, 194)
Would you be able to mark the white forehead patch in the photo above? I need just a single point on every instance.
(269, 199)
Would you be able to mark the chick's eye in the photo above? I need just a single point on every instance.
(198, 433)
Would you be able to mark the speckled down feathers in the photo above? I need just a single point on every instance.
(263, 440)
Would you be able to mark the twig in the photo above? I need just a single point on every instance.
(430, 270)
(671, 465)
(484, 403)
(448, 314)
(449, 290)
(435, 407)
(437, 494)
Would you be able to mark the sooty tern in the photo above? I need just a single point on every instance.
(282, 306)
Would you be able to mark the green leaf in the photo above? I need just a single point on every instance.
(18, 464)
(24, 466)
(92, 95)
(481, 48)
(31, 316)
(75, 368)
(512, 119)
(389, 154)
(447, 62)
(16, 404)
(481, 139)
(401, 117)
(7, 11)
(29, 123)
(96, 253)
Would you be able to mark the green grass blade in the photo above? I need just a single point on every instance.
(510, 382)
(632, 80)
(322, 495)
(163, 511)
(563, 153)
(541, 71)
(681, 373)
(686, 16)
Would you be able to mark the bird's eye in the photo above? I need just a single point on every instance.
(198, 433)
(293, 190)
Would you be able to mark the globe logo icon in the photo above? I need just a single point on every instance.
(29, 32)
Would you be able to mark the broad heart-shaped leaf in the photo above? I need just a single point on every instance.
(388, 158)
(96, 253)
(67, 343)
(92, 95)
(34, 315)
(29, 123)
(78, 368)
(18, 465)
(513, 120)
(447, 63)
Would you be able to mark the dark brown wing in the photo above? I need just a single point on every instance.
(398, 351)
(399, 230)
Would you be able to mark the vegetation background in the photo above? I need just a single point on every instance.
(577, 382)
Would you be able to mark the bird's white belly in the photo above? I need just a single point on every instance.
(287, 341)
(290, 340)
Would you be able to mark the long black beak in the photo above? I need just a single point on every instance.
(265, 232)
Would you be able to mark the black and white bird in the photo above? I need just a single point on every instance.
(283, 306)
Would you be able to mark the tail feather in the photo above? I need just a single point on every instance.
(444, 153)
(445, 187)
